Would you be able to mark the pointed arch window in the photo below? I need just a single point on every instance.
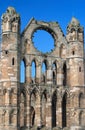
(22, 71)
(64, 110)
(64, 74)
(33, 71)
(44, 70)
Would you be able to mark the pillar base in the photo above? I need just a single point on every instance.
(77, 128)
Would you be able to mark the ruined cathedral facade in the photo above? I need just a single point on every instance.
(53, 100)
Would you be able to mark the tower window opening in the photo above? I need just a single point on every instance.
(13, 61)
(33, 71)
(73, 52)
(79, 69)
(6, 52)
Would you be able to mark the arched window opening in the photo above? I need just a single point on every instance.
(54, 100)
(81, 100)
(6, 52)
(44, 70)
(13, 61)
(73, 30)
(64, 74)
(73, 34)
(43, 116)
(82, 119)
(80, 34)
(79, 30)
(33, 71)
(64, 103)
(22, 71)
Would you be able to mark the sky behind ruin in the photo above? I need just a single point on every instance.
(47, 10)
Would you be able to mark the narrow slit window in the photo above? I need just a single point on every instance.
(79, 69)
(13, 61)
(73, 52)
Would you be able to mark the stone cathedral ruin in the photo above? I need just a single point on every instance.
(53, 100)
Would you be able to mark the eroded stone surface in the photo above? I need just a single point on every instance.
(54, 99)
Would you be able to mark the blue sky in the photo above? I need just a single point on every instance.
(47, 10)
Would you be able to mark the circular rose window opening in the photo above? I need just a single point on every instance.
(43, 41)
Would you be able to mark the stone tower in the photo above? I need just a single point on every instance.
(9, 70)
(53, 99)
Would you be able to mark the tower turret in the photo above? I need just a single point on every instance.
(10, 21)
(75, 40)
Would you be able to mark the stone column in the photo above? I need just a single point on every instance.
(49, 75)
(59, 111)
(60, 77)
(38, 73)
(28, 111)
(28, 73)
(38, 111)
(49, 113)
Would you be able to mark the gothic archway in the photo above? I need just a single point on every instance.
(64, 107)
